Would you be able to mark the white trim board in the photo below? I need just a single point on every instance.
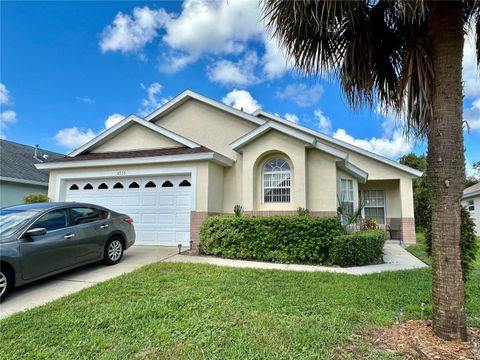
(213, 156)
(270, 125)
(340, 143)
(125, 123)
(22, 181)
(189, 94)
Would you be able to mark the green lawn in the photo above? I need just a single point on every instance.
(178, 311)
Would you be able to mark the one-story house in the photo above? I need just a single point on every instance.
(471, 200)
(194, 157)
(18, 175)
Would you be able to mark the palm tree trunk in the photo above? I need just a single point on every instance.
(446, 168)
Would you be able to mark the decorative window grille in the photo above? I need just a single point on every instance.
(276, 181)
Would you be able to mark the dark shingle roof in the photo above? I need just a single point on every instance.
(17, 161)
(133, 154)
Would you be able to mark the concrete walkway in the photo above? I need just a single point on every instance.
(49, 289)
(395, 257)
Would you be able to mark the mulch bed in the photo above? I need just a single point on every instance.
(415, 339)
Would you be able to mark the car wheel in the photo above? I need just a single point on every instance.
(113, 251)
(6, 282)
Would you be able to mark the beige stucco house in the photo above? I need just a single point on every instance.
(195, 156)
(471, 200)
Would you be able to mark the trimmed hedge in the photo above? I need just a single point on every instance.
(286, 239)
(361, 248)
(289, 239)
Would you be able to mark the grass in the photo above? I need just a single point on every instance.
(191, 311)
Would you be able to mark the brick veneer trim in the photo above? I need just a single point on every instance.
(403, 229)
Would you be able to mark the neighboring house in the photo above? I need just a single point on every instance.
(471, 200)
(18, 175)
(195, 157)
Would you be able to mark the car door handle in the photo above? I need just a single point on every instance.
(69, 236)
(103, 226)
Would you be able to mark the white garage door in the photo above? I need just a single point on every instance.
(159, 205)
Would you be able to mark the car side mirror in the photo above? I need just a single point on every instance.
(35, 232)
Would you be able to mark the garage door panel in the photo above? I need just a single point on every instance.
(161, 214)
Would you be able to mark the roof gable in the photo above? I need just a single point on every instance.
(333, 141)
(122, 126)
(188, 94)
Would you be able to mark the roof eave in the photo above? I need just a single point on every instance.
(209, 156)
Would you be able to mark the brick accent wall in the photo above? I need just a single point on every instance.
(403, 229)
(196, 219)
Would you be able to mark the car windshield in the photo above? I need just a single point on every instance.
(13, 220)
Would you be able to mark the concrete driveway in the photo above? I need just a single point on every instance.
(52, 288)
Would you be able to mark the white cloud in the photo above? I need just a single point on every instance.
(275, 63)
(85, 99)
(241, 99)
(291, 117)
(175, 61)
(214, 27)
(239, 73)
(301, 94)
(324, 123)
(472, 115)
(4, 95)
(203, 28)
(74, 137)
(153, 100)
(130, 33)
(391, 147)
(113, 120)
(470, 73)
(7, 117)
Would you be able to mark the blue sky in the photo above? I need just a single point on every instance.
(71, 69)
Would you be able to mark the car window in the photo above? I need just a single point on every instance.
(83, 215)
(54, 220)
(13, 220)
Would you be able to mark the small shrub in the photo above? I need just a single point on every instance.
(238, 210)
(35, 198)
(370, 224)
(360, 248)
(303, 211)
(286, 239)
(468, 242)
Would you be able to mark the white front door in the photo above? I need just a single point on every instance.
(159, 205)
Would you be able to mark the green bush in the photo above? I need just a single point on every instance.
(360, 248)
(468, 242)
(283, 239)
(35, 198)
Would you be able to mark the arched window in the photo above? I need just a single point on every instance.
(276, 181)
(167, 183)
(118, 186)
(185, 183)
(103, 186)
(150, 184)
(73, 187)
(88, 187)
(133, 185)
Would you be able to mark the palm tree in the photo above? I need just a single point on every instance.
(406, 56)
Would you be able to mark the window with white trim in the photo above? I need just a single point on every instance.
(276, 181)
(374, 205)
(470, 205)
(346, 195)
